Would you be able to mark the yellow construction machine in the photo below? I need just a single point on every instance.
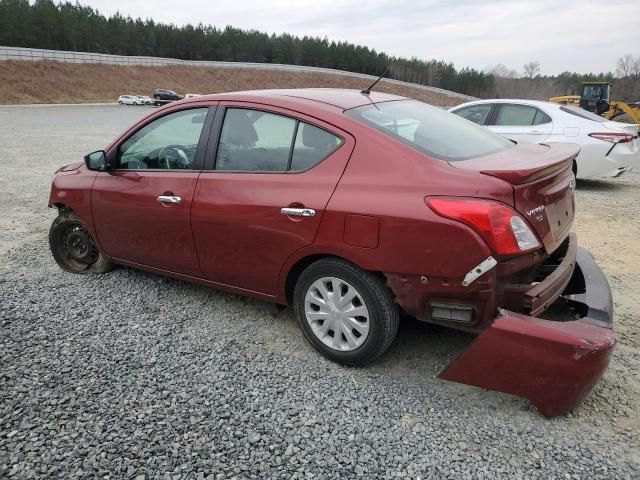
(595, 98)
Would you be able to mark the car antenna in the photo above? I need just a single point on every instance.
(367, 90)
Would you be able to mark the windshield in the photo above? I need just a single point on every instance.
(595, 92)
(430, 130)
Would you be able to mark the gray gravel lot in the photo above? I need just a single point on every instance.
(133, 375)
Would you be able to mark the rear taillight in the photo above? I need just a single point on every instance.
(613, 137)
(504, 230)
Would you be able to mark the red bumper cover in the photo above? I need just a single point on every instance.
(554, 364)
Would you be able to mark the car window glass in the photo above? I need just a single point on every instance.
(254, 141)
(541, 118)
(515, 115)
(430, 130)
(475, 113)
(312, 145)
(169, 142)
(578, 112)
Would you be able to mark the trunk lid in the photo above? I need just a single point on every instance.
(542, 182)
(631, 128)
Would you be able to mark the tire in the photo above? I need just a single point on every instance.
(73, 247)
(120, 102)
(574, 169)
(624, 118)
(368, 339)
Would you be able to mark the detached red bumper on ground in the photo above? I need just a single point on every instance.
(554, 364)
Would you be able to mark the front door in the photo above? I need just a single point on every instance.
(264, 197)
(141, 209)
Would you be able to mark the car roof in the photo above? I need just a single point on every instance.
(340, 98)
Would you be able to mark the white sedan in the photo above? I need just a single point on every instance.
(608, 149)
(144, 100)
(128, 100)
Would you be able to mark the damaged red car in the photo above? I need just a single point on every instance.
(352, 207)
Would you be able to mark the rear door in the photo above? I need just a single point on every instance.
(141, 209)
(522, 123)
(270, 176)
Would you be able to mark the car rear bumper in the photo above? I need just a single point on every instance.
(608, 161)
(535, 299)
(552, 363)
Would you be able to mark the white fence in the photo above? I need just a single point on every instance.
(34, 54)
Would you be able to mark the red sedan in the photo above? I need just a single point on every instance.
(352, 207)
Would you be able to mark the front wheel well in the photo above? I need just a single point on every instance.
(62, 208)
(300, 265)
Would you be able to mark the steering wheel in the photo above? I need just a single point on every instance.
(172, 155)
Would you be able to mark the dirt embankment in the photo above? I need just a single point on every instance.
(58, 82)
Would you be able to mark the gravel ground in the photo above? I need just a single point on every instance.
(133, 375)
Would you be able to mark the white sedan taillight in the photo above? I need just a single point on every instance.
(613, 137)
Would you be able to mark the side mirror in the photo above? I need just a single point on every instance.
(97, 161)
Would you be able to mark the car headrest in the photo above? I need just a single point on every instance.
(316, 138)
(422, 132)
(239, 129)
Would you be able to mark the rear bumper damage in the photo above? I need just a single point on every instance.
(552, 363)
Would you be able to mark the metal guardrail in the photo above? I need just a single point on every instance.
(37, 54)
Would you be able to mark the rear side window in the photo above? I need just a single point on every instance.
(430, 130)
(515, 115)
(257, 141)
(475, 113)
(520, 115)
(578, 112)
(312, 145)
(541, 118)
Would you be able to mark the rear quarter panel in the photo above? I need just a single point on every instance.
(389, 181)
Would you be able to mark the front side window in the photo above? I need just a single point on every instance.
(257, 141)
(430, 130)
(475, 113)
(167, 143)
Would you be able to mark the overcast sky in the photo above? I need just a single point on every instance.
(575, 35)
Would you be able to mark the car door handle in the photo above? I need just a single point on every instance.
(169, 199)
(298, 212)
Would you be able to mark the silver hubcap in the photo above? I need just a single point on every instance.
(336, 314)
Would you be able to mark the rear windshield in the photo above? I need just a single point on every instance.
(430, 130)
(578, 112)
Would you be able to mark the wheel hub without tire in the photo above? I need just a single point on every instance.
(79, 246)
(337, 314)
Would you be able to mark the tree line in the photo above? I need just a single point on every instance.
(75, 27)
(532, 85)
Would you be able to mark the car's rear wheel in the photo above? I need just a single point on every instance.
(624, 118)
(346, 313)
(73, 247)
